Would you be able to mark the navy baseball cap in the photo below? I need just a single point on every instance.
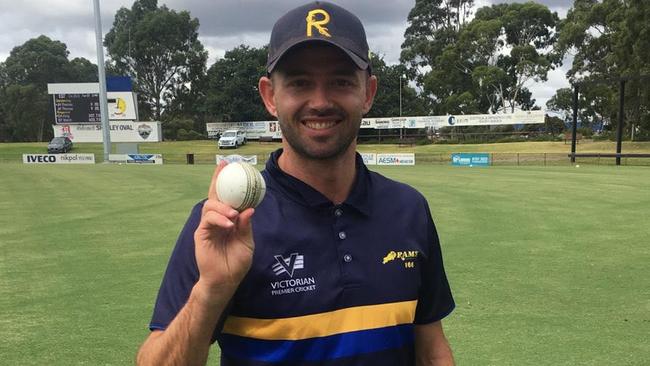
(319, 21)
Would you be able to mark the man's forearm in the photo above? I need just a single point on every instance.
(442, 357)
(431, 346)
(187, 339)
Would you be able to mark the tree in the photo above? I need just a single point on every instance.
(433, 25)
(23, 85)
(553, 125)
(610, 39)
(25, 111)
(512, 46)
(387, 101)
(232, 94)
(38, 61)
(594, 105)
(159, 49)
(82, 70)
(484, 65)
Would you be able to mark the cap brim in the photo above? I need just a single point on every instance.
(361, 63)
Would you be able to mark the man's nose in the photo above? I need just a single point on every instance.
(320, 97)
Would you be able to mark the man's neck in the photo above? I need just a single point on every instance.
(333, 178)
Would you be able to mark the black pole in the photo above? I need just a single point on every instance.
(621, 117)
(574, 130)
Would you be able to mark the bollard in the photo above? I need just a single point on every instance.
(190, 159)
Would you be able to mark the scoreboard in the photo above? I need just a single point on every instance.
(77, 108)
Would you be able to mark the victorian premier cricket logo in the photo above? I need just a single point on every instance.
(287, 267)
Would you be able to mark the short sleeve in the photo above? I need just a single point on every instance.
(181, 275)
(435, 300)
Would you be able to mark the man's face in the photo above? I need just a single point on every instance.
(319, 96)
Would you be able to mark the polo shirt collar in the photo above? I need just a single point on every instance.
(305, 194)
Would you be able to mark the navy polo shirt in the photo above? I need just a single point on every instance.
(329, 284)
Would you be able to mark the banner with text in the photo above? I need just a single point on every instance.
(250, 159)
(156, 159)
(435, 122)
(254, 129)
(396, 159)
(474, 159)
(120, 132)
(369, 158)
(59, 158)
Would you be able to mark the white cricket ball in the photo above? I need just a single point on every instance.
(240, 186)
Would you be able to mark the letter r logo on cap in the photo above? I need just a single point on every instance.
(319, 24)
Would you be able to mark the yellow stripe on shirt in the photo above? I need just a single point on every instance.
(323, 324)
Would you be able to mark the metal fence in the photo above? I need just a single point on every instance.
(496, 159)
(535, 159)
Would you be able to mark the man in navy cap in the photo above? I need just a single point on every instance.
(338, 265)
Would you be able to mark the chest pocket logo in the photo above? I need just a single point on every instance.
(408, 257)
(288, 265)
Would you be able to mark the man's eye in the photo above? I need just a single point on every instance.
(299, 83)
(343, 82)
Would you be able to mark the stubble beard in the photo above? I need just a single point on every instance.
(302, 147)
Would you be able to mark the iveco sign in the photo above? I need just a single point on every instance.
(59, 158)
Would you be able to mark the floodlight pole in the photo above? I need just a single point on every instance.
(401, 129)
(103, 99)
(574, 129)
(400, 95)
(621, 118)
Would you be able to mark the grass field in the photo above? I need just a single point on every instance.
(549, 265)
(175, 151)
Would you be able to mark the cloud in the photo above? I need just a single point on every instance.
(223, 25)
(543, 91)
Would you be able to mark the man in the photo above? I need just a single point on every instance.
(338, 265)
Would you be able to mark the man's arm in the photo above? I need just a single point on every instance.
(187, 339)
(431, 346)
(223, 247)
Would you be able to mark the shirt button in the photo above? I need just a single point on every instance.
(347, 258)
(342, 235)
(338, 212)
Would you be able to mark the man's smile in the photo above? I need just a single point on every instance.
(319, 124)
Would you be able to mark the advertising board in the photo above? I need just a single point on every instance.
(396, 159)
(250, 159)
(146, 159)
(254, 129)
(127, 131)
(369, 158)
(59, 158)
(473, 159)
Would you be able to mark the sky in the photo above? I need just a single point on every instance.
(223, 25)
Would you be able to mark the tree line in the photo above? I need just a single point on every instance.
(454, 60)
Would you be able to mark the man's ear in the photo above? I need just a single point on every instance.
(371, 91)
(265, 86)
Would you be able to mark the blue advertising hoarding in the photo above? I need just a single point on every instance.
(475, 159)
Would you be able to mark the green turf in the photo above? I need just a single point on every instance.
(254, 147)
(549, 265)
(509, 154)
